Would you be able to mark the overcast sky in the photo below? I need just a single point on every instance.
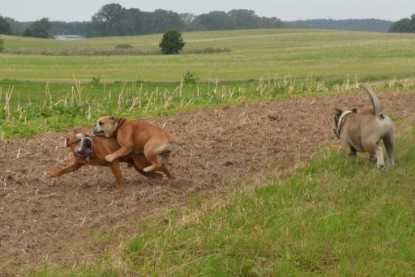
(286, 10)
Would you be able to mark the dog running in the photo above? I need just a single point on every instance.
(92, 151)
(138, 137)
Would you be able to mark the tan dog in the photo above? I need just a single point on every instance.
(138, 137)
(362, 131)
(92, 151)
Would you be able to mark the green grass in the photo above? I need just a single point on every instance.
(27, 108)
(335, 217)
(255, 54)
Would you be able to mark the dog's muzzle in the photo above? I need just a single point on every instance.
(84, 148)
(97, 132)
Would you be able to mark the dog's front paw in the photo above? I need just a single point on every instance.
(52, 174)
(153, 175)
(109, 158)
(381, 166)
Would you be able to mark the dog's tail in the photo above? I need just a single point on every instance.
(172, 139)
(375, 102)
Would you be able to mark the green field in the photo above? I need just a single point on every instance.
(253, 54)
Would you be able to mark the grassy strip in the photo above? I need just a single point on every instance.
(103, 51)
(29, 114)
(253, 54)
(26, 112)
(335, 217)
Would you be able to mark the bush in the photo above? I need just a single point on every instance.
(124, 46)
(172, 42)
(190, 78)
(96, 81)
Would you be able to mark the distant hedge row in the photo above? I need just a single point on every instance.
(406, 25)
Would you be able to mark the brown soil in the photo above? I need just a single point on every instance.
(46, 220)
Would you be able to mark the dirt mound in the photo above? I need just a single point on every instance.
(42, 219)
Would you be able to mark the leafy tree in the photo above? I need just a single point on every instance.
(401, 26)
(217, 20)
(172, 42)
(245, 19)
(40, 29)
(107, 21)
(17, 28)
(271, 22)
(187, 18)
(166, 20)
(28, 33)
(132, 22)
(190, 22)
(160, 21)
(404, 25)
(5, 27)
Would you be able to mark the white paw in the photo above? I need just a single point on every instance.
(148, 168)
(109, 158)
(381, 166)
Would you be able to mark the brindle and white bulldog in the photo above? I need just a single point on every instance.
(362, 131)
(138, 137)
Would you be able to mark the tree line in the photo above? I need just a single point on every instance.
(115, 20)
(405, 25)
(366, 25)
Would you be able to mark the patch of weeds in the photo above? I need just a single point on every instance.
(123, 46)
(96, 81)
(190, 77)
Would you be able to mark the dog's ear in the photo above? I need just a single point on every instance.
(67, 139)
(338, 111)
(336, 118)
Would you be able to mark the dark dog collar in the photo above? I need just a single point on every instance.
(121, 121)
(340, 122)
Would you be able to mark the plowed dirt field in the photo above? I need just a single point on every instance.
(43, 219)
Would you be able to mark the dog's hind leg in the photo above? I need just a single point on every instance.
(380, 162)
(153, 154)
(376, 150)
(156, 166)
(139, 162)
(350, 151)
(388, 140)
